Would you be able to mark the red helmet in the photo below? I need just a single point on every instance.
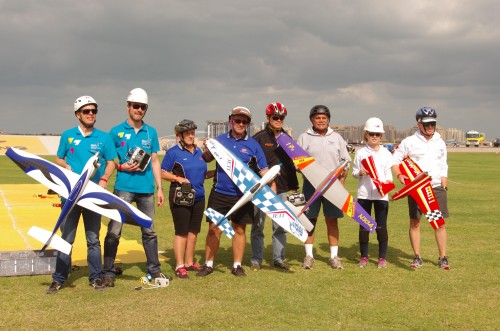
(276, 109)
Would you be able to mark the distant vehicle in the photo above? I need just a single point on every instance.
(496, 142)
(390, 147)
(474, 138)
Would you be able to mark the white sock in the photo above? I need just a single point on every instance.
(236, 264)
(210, 264)
(309, 249)
(334, 251)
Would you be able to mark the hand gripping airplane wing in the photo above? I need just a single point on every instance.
(315, 174)
(255, 189)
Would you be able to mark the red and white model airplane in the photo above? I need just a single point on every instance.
(382, 187)
(418, 186)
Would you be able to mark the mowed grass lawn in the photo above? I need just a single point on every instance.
(464, 298)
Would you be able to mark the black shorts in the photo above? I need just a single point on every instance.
(222, 203)
(442, 199)
(187, 219)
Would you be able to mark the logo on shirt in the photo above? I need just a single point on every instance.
(120, 134)
(244, 151)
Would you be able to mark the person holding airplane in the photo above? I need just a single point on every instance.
(428, 150)
(329, 149)
(225, 193)
(76, 146)
(286, 181)
(139, 170)
(368, 194)
(183, 166)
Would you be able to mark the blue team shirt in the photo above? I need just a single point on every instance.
(125, 139)
(77, 149)
(182, 162)
(248, 151)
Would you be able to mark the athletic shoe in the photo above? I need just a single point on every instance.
(108, 281)
(443, 263)
(54, 287)
(417, 262)
(181, 273)
(382, 263)
(193, 267)
(335, 263)
(283, 265)
(255, 267)
(363, 262)
(238, 271)
(308, 262)
(205, 271)
(97, 284)
(160, 274)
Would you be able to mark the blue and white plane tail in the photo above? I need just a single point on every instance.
(48, 238)
(221, 221)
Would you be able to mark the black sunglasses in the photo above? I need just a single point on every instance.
(137, 106)
(238, 121)
(278, 118)
(426, 124)
(374, 134)
(87, 111)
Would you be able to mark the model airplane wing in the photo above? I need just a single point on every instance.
(62, 181)
(315, 174)
(420, 189)
(382, 187)
(255, 188)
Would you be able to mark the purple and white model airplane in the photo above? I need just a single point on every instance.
(77, 189)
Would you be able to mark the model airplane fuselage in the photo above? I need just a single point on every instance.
(77, 189)
(255, 189)
(316, 175)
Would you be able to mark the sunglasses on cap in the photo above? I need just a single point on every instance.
(374, 134)
(87, 111)
(238, 121)
(278, 118)
(137, 106)
(426, 124)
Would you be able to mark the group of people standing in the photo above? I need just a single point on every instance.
(186, 163)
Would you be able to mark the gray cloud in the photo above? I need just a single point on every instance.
(197, 59)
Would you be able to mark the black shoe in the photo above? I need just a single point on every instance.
(205, 271)
(282, 265)
(53, 288)
(238, 271)
(98, 284)
(108, 281)
(160, 274)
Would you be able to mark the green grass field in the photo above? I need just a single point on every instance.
(465, 298)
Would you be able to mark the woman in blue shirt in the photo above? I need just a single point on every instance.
(184, 163)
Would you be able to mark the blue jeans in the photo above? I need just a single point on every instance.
(257, 237)
(92, 224)
(146, 204)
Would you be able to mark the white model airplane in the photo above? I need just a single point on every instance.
(77, 189)
(255, 189)
(316, 174)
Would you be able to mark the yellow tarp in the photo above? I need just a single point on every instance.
(21, 208)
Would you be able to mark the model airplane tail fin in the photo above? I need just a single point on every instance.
(48, 239)
(302, 217)
(221, 221)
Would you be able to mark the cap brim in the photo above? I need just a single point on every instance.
(428, 119)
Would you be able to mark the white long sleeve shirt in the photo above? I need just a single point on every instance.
(430, 155)
(383, 164)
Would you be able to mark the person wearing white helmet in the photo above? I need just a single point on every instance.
(428, 150)
(136, 181)
(368, 195)
(287, 180)
(329, 149)
(76, 146)
(225, 193)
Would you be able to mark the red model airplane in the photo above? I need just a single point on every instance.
(418, 186)
(383, 188)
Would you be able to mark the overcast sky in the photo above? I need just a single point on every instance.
(198, 59)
